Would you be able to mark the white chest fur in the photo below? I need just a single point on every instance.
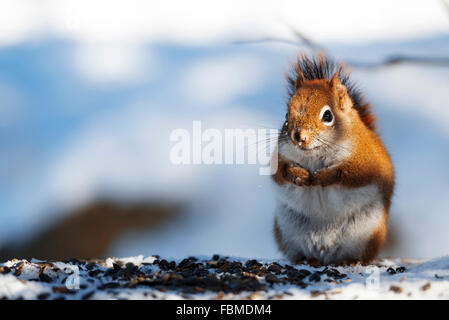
(330, 223)
(327, 223)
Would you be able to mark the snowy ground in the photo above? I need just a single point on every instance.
(221, 278)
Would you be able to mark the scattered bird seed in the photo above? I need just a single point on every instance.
(191, 276)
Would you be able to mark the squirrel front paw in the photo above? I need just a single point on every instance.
(297, 175)
(319, 178)
(325, 177)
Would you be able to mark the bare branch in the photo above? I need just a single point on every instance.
(307, 41)
(388, 61)
(398, 59)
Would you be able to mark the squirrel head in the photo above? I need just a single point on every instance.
(318, 112)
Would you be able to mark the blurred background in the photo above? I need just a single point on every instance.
(91, 90)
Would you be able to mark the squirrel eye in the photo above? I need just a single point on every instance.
(326, 116)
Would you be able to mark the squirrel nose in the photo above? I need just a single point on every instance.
(299, 136)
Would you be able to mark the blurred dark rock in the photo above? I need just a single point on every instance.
(89, 231)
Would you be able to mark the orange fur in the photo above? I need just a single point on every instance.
(375, 242)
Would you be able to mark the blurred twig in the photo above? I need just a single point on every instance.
(307, 41)
(388, 61)
(399, 59)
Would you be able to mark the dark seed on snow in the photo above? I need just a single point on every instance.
(274, 267)
(271, 278)
(426, 287)
(190, 266)
(62, 290)
(88, 295)
(183, 263)
(212, 264)
(298, 274)
(94, 273)
(252, 264)
(163, 264)
(225, 267)
(396, 289)
(315, 293)
(391, 271)
(401, 269)
(44, 278)
(304, 272)
(43, 296)
(315, 277)
(5, 269)
(300, 283)
(131, 267)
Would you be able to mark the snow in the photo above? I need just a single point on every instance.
(201, 21)
(418, 280)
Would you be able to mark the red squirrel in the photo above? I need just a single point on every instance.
(335, 179)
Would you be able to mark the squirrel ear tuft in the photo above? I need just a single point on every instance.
(335, 81)
(340, 92)
(299, 80)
